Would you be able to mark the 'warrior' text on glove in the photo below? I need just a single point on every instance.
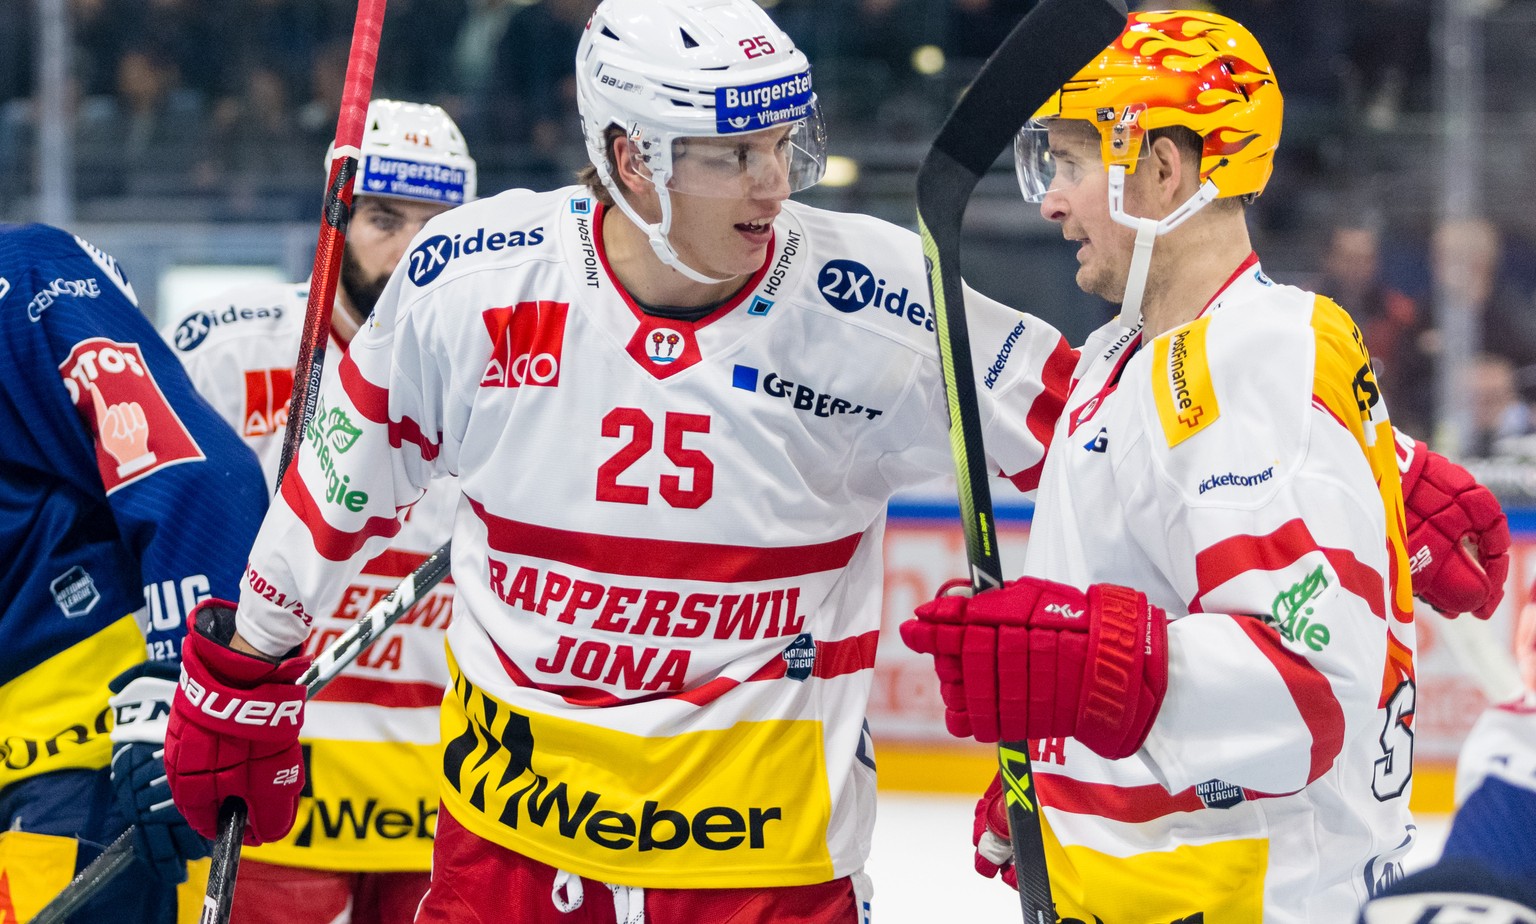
(1037, 659)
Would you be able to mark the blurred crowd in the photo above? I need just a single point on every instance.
(235, 90)
(230, 103)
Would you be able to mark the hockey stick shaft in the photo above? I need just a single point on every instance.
(118, 856)
(334, 219)
(1056, 40)
(106, 867)
(335, 215)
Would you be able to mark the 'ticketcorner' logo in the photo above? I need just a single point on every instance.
(1236, 481)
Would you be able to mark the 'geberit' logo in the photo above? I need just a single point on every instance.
(803, 397)
(526, 343)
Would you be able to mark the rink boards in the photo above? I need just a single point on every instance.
(924, 547)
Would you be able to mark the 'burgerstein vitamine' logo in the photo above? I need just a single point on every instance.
(763, 105)
(389, 176)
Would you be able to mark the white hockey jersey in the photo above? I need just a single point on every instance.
(1238, 470)
(372, 752)
(668, 549)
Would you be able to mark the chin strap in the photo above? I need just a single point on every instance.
(655, 234)
(1147, 232)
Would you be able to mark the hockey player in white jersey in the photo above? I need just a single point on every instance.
(362, 845)
(1214, 631)
(677, 405)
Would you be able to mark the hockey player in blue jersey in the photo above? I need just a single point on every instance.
(124, 500)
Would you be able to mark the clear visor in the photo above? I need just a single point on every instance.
(772, 162)
(1053, 155)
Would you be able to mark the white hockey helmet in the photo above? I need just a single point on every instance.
(668, 72)
(412, 151)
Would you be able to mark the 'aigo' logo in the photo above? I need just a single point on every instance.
(526, 343)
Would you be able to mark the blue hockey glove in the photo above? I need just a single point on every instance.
(141, 708)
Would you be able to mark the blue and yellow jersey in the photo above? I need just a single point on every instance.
(124, 499)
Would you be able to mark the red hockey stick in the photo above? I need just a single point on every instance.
(306, 373)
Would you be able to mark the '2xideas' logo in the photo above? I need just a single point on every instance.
(850, 286)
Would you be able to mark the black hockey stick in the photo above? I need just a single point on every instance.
(118, 855)
(1056, 40)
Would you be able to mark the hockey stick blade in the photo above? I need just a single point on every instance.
(333, 660)
(1056, 40)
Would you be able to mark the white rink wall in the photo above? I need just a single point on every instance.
(921, 863)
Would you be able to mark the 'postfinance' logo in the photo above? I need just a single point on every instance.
(1181, 382)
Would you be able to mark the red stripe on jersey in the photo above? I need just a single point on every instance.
(1056, 379)
(833, 659)
(393, 694)
(663, 558)
(372, 402)
(393, 563)
(1309, 689)
(1323, 406)
(333, 544)
(1128, 804)
(1237, 555)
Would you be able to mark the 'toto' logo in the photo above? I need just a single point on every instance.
(850, 286)
(526, 341)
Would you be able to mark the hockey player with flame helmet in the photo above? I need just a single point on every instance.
(239, 348)
(1214, 629)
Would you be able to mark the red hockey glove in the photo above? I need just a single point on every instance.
(234, 730)
(1444, 505)
(1037, 659)
(994, 851)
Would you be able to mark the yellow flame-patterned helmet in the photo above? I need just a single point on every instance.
(1182, 67)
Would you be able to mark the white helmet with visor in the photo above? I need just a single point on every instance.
(715, 99)
(412, 151)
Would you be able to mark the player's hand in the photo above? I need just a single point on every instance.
(994, 850)
(1458, 536)
(141, 705)
(234, 730)
(1037, 659)
(124, 433)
